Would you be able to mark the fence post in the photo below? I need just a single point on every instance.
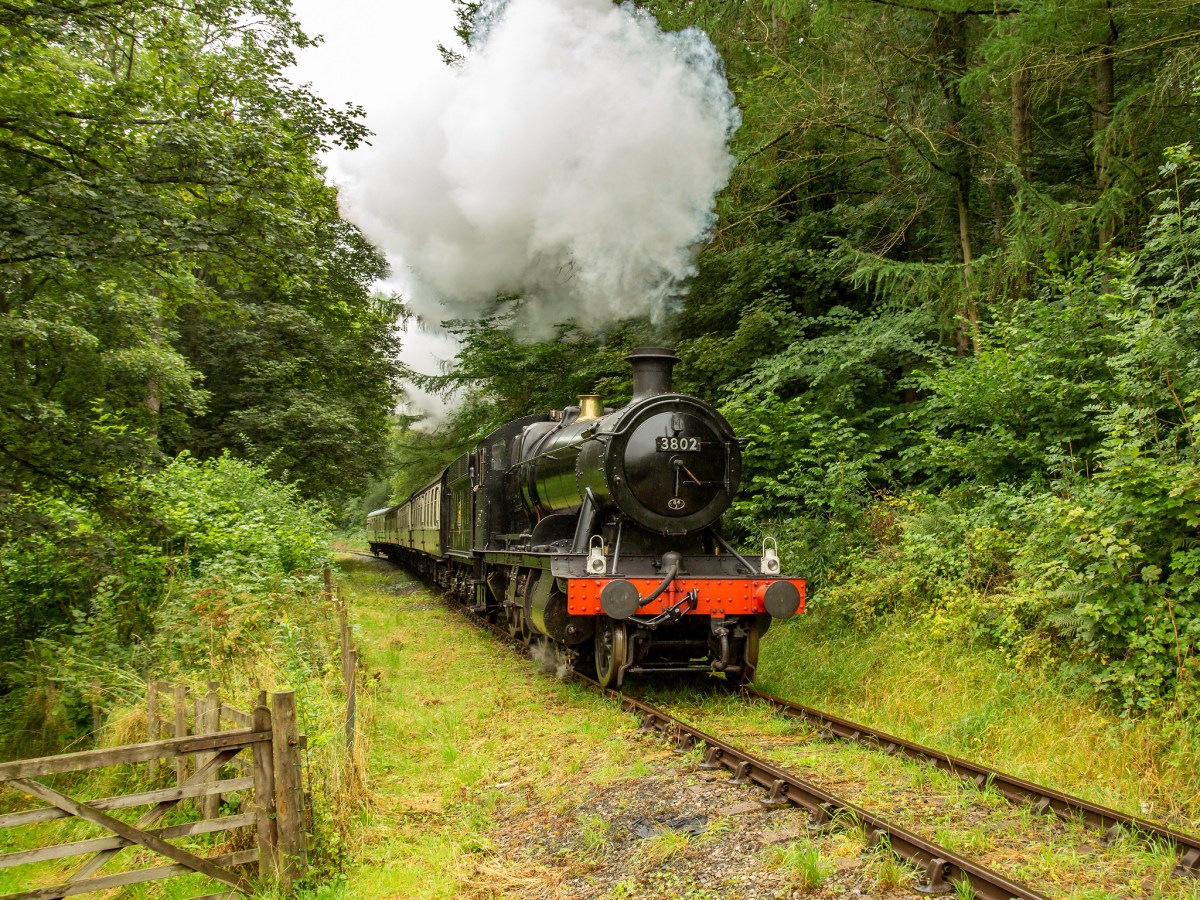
(349, 675)
(344, 635)
(264, 792)
(285, 750)
(212, 723)
(152, 722)
(181, 698)
(197, 760)
(351, 703)
(328, 573)
(96, 718)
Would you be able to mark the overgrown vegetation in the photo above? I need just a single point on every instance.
(952, 302)
(214, 575)
(209, 560)
(178, 292)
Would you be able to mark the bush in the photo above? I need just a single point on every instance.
(227, 516)
(178, 567)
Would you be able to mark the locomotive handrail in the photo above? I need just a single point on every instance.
(729, 547)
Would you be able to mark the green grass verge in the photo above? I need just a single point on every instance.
(974, 702)
(462, 737)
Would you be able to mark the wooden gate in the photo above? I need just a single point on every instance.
(273, 744)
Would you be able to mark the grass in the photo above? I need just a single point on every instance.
(465, 737)
(886, 872)
(805, 865)
(973, 702)
(663, 847)
(593, 833)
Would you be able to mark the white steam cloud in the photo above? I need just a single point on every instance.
(574, 159)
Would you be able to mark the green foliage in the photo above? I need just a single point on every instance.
(809, 477)
(305, 382)
(227, 516)
(1047, 486)
(174, 277)
(157, 165)
(1022, 408)
(499, 377)
(194, 559)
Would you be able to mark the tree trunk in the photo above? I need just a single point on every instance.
(1022, 121)
(968, 322)
(951, 37)
(1101, 118)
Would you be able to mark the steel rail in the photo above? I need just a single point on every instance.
(1043, 799)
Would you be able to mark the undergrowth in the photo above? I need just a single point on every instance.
(227, 580)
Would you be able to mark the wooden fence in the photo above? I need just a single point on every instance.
(210, 749)
(208, 762)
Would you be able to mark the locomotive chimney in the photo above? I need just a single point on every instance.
(652, 370)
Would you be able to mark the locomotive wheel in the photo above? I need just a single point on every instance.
(610, 647)
(745, 674)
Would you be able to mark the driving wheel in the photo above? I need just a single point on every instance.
(610, 646)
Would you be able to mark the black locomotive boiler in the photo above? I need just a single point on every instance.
(600, 529)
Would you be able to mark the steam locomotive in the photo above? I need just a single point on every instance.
(594, 528)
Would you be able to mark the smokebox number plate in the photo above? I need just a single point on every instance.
(677, 444)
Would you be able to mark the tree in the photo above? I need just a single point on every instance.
(166, 241)
(152, 158)
(304, 376)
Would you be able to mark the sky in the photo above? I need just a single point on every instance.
(371, 50)
(371, 47)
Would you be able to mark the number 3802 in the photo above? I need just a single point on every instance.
(678, 444)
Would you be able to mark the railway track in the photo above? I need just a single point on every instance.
(943, 868)
(1044, 800)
